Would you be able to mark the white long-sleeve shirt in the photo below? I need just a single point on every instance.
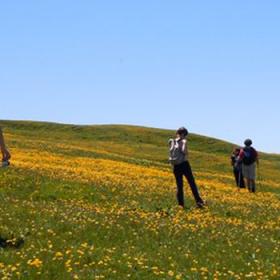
(183, 143)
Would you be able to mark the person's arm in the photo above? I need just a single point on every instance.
(184, 148)
(5, 153)
(240, 156)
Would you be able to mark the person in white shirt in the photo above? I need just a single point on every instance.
(5, 152)
(179, 158)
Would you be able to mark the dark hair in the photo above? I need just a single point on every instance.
(182, 131)
(248, 142)
(237, 149)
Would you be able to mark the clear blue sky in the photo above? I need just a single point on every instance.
(213, 66)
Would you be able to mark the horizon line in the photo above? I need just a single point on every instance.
(126, 124)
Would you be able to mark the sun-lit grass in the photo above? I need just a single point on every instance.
(99, 203)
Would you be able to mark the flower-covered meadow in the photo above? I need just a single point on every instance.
(99, 203)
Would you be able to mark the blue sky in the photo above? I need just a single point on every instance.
(213, 66)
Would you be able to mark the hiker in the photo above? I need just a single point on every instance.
(5, 153)
(179, 158)
(237, 168)
(249, 158)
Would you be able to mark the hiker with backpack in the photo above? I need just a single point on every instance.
(249, 159)
(5, 153)
(237, 168)
(179, 159)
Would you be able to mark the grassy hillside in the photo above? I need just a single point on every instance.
(98, 202)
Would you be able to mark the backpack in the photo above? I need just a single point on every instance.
(250, 156)
(175, 154)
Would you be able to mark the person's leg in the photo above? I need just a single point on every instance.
(253, 184)
(246, 174)
(253, 177)
(189, 176)
(236, 175)
(242, 183)
(2, 144)
(5, 153)
(248, 181)
(180, 187)
(239, 179)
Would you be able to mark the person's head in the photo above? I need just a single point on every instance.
(237, 151)
(248, 142)
(182, 132)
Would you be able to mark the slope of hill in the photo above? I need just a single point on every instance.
(98, 202)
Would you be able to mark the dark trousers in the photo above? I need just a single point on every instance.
(181, 170)
(239, 177)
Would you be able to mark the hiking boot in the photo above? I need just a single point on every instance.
(201, 204)
(5, 163)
